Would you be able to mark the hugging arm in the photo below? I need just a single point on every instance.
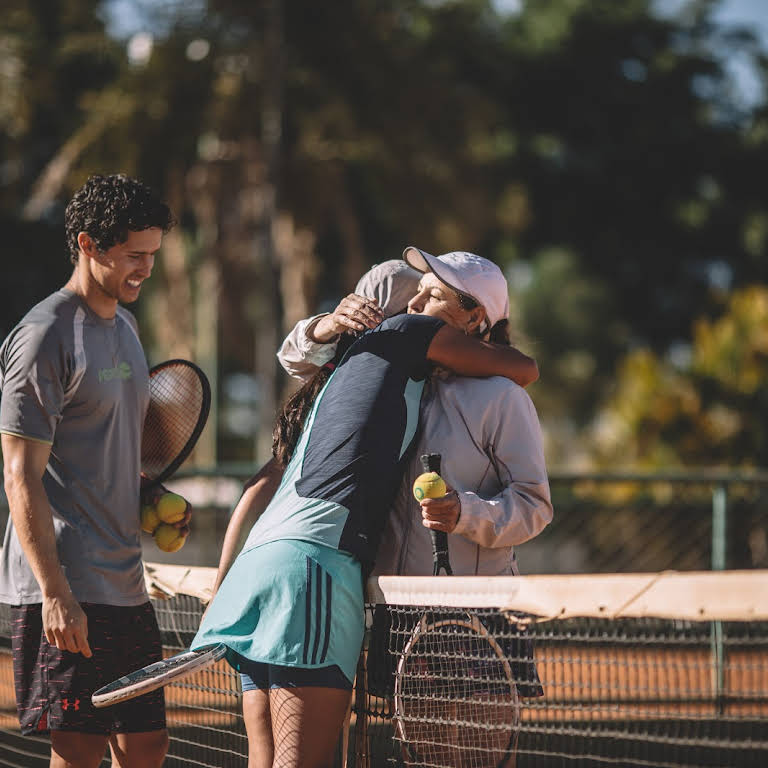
(469, 356)
(312, 342)
(300, 355)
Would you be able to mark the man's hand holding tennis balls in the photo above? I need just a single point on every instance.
(166, 516)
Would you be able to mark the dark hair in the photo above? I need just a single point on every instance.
(500, 333)
(290, 421)
(107, 208)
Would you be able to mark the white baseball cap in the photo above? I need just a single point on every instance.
(393, 283)
(467, 273)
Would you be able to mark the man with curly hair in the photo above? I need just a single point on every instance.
(74, 394)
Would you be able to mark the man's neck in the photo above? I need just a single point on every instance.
(82, 283)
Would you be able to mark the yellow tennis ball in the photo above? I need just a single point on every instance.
(149, 518)
(168, 538)
(429, 486)
(171, 508)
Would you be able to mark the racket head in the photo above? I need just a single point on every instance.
(156, 675)
(456, 703)
(179, 403)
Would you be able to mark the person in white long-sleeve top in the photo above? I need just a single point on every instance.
(487, 431)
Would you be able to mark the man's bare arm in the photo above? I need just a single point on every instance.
(469, 356)
(24, 463)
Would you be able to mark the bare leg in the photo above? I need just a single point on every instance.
(70, 749)
(305, 725)
(258, 726)
(139, 750)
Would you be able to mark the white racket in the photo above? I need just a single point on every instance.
(156, 675)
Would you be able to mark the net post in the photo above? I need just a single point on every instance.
(719, 552)
(719, 519)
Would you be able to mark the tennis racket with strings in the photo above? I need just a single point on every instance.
(179, 403)
(456, 703)
(156, 675)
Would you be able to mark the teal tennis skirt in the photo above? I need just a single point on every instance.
(292, 603)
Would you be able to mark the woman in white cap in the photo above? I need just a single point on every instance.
(486, 429)
(488, 433)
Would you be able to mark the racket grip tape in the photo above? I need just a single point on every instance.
(440, 559)
(431, 462)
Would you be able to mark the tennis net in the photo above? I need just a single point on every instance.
(667, 670)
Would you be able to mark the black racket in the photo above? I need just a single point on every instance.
(440, 559)
(456, 703)
(179, 403)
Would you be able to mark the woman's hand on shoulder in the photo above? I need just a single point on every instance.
(354, 313)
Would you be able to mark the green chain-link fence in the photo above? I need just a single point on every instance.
(603, 523)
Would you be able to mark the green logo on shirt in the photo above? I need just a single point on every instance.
(122, 371)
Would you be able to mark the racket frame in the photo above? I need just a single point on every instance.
(467, 621)
(161, 673)
(205, 407)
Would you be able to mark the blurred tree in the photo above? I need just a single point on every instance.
(589, 146)
(710, 408)
(634, 160)
(53, 57)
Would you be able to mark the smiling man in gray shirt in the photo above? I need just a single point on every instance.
(75, 391)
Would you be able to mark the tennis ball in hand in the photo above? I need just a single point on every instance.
(429, 486)
(149, 518)
(168, 538)
(171, 508)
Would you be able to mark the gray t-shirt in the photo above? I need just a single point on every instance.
(79, 382)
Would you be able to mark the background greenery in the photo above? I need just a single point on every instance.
(597, 150)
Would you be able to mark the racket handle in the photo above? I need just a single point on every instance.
(431, 462)
(440, 559)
